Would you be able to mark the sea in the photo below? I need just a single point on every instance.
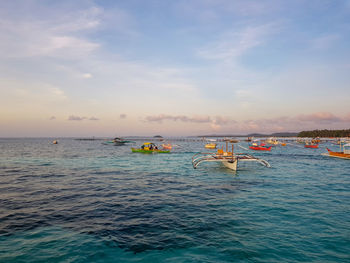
(83, 201)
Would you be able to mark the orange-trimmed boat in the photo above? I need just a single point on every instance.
(345, 154)
(313, 146)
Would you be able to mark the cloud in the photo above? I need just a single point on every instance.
(216, 123)
(76, 118)
(52, 118)
(86, 75)
(325, 42)
(59, 34)
(234, 44)
(318, 120)
(319, 117)
(162, 117)
(123, 116)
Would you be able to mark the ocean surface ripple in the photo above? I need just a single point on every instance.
(82, 201)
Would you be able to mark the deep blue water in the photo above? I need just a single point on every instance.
(81, 201)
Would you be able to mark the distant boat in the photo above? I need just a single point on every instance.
(345, 154)
(167, 146)
(117, 141)
(272, 141)
(149, 147)
(55, 142)
(260, 148)
(314, 146)
(210, 146)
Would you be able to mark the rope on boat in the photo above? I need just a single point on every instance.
(242, 147)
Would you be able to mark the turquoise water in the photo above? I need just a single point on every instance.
(81, 201)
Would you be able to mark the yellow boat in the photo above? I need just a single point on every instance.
(210, 146)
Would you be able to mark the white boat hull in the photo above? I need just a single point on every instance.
(231, 164)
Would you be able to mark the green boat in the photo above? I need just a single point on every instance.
(148, 147)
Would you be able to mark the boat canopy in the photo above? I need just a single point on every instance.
(347, 145)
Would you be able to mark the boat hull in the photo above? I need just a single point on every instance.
(230, 164)
(134, 150)
(311, 146)
(341, 155)
(260, 148)
(210, 146)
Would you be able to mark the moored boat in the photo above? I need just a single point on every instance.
(117, 141)
(210, 146)
(260, 148)
(227, 158)
(313, 146)
(345, 154)
(149, 147)
(167, 146)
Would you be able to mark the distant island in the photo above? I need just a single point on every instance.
(325, 133)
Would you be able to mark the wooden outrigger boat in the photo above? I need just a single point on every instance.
(210, 146)
(228, 159)
(345, 154)
(260, 148)
(257, 146)
(313, 146)
(149, 147)
(167, 146)
(117, 142)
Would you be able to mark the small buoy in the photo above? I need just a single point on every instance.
(55, 142)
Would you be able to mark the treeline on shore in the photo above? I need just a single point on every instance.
(325, 133)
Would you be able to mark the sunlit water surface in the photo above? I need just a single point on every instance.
(82, 201)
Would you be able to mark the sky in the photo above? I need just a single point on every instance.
(174, 68)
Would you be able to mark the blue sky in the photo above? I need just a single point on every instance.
(105, 68)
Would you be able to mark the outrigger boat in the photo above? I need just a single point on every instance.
(228, 159)
(149, 147)
(167, 146)
(210, 146)
(345, 154)
(260, 148)
(117, 141)
(314, 146)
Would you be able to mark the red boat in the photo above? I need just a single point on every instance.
(260, 148)
(314, 146)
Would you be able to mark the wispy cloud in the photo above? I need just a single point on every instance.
(234, 44)
(78, 118)
(86, 75)
(122, 116)
(61, 35)
(163, 117)
(320, 117)
(52, 118)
